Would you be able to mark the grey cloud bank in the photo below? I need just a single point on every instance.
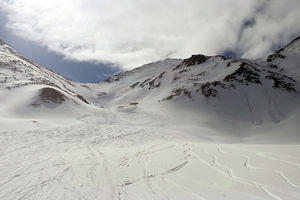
(133, 32)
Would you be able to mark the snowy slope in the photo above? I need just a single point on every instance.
(288, 59)
(28, 89)
(261, 91)
(204, 128)
(208, 87)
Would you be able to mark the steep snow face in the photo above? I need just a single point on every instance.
(232, 89)
(27, 88)
(288, 58)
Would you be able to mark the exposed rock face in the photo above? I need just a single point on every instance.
(82, 99)
(193, 60)
(275, 56)
(154, 83)
(49, 97)
(135, 84)
(245, 74)
(282, 81)
(209, 89)
(178, 92)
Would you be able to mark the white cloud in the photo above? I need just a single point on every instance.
(276, 24)
(134, 32)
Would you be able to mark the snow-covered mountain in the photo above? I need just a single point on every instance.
(260, 90)
(205, 127)
(27, 88)
(208, 89)
(256, 91)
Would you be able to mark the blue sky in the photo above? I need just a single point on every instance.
(73, 70)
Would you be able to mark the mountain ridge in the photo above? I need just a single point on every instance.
(237, 88)
(205, 127)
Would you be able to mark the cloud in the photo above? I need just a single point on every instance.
(275, 25)
(133, 32)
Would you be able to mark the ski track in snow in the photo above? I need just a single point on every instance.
(105, 160)
(114, 141)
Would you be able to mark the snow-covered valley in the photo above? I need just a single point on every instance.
(203, 128)
(106, 156)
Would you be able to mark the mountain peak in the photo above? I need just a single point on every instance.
(294, 45)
